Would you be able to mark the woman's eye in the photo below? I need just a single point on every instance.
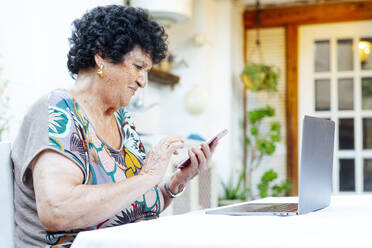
(138, 67)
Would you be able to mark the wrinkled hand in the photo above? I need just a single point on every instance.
(199, 160)
(158, 158)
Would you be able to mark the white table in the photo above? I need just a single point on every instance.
(347, 222)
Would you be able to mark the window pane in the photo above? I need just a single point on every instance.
(367, 133)
(365, 53)
(346, 134)
(367, 175)
(321, 55)
(347, 175)
(322, 95)
(366, 93)
(345, 55)
(345, 94)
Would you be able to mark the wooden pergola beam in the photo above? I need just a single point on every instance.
(310, 14)
(291, 93)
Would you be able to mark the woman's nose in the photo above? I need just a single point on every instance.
(142, 80)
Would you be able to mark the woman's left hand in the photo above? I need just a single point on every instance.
(199, 161)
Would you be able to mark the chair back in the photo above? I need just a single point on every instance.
(6, 197)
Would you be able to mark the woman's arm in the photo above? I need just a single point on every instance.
(64, 203)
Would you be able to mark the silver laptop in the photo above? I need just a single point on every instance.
(315, 184)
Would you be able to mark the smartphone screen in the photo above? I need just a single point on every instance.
(186, 162)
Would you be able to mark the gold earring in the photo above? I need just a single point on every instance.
(100, 70)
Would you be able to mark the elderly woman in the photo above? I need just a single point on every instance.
(78, 161)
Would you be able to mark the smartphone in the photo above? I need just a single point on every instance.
(186, 162)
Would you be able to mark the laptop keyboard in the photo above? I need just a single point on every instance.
(285, 207)
(257, 208)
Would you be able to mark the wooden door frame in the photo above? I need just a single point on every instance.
(291, 18)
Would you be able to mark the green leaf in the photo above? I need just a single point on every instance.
(275, 137)
(234, 191)
(265, 146)
(261, 145)
(257, 115)
(263, 188)
(270, 111)
(243, 194)
(247, 141)
(254, 131)
(237, 188)
(287, 186)
(270, 148)
(263, 194)
(262, 185)
(277, 189)
(269, 176)
(275, 126)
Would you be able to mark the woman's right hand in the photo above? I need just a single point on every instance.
(158, 158)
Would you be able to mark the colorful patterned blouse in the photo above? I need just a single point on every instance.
(71, 134)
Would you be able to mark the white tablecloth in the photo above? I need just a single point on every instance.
(347, 222)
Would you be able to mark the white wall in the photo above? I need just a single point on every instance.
(34, 46)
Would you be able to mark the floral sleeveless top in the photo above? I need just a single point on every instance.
(71, 134)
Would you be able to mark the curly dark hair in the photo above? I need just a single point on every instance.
(113, 31)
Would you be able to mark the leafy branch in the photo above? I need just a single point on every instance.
(258, 142)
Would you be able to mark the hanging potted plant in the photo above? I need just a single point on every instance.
(258, 77)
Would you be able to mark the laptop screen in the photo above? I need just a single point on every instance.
(315, 184)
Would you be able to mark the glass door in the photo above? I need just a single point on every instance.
(335, 82)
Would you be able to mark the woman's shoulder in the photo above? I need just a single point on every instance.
(62, 103)
(60, 98)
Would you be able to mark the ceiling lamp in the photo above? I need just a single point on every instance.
(364, 50)
(166, 12)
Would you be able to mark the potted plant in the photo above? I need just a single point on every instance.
(233, 192)
(258, 77)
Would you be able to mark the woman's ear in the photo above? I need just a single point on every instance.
(98, 59)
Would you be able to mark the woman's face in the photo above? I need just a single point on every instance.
(122, 80)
